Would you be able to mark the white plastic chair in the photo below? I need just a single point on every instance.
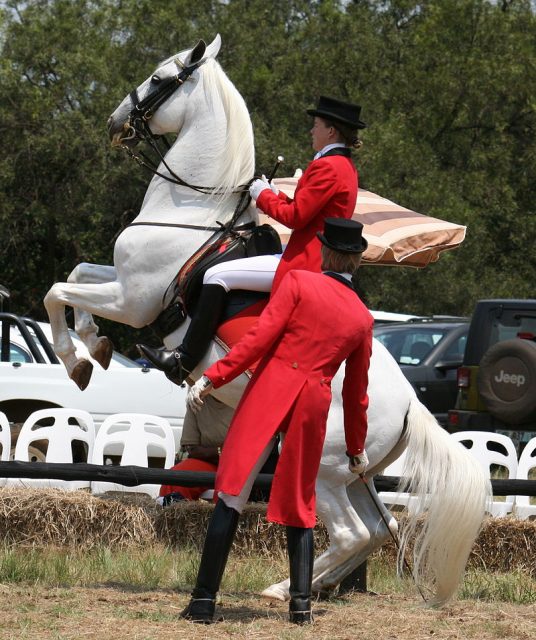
(478, 442)
(5, 442)
(392, 498)
(523, 508)
(68, 425)
(134, 433)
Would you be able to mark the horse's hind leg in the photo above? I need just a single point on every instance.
(374, 515)
(348, 536)
(100, 348)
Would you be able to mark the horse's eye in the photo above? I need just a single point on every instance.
(155, 79)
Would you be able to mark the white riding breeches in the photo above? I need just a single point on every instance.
(239, 502)
(251, 274)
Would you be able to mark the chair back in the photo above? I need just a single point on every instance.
(60, 429)
(527, 463)
(133, 436)
(492, 449)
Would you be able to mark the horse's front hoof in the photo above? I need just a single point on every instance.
(103, 352)
(276, 592)
(81, 373)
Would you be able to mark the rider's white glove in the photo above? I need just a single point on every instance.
(358, 463)
(271, 185)
(258, 186)
(194, 399)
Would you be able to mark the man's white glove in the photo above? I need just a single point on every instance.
(196, 393)
(259, 185)
(358, 463)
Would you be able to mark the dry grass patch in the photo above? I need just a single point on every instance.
(108, 613)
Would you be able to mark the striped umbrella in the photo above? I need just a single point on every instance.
(396, 235)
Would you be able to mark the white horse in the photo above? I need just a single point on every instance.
(190, 95)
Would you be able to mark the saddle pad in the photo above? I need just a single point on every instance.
(230, 331)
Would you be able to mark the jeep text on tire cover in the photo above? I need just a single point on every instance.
(507, 380)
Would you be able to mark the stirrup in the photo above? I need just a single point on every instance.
(181, 373)
(202, 613)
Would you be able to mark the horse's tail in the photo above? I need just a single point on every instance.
(454, 491)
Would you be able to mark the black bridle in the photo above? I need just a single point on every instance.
(137, 127)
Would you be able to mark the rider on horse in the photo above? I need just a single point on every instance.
(328, 187)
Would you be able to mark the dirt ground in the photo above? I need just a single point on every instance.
(116, 612)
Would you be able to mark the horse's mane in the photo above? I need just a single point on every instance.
(240, 158)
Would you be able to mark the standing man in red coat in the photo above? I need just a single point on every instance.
(327, 188)
(313, 323)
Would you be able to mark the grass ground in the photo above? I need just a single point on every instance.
(138, 594)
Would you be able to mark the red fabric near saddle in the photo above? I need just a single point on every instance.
(233, 329)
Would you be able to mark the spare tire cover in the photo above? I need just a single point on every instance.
(507, 380)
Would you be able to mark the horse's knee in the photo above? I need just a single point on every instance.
(74, 276)
(52, 296)
(345, 542)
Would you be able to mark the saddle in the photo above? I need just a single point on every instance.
(242, 306)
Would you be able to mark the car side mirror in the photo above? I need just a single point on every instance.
(447, 365)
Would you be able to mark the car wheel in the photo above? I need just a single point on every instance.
(507, 379)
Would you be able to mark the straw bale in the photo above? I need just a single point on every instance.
(52, 517)
(505, 544)
(183, 524)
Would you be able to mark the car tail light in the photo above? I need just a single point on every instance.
(454, 418)
(526, 335)
(464, 378)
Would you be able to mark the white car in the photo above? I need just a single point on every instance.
(31, 378)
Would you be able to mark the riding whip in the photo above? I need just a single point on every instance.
(280, 160)
(393, 536)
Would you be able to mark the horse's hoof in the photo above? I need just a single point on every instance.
(81, 373)
(103, 352)
(275, 592)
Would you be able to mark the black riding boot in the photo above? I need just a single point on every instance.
(179, 362)
(301, 557)
(220, 534)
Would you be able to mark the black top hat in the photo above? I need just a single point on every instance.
(338, 111)
(343, 235)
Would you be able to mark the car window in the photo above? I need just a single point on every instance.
(18, 354)
(412, 345)
(511, 324)
(456, 349)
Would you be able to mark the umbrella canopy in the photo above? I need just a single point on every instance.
(396, 235)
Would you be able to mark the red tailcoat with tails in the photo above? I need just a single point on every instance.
(311, 325)
(327, 189)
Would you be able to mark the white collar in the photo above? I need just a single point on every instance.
(327, 148)
(346, 276)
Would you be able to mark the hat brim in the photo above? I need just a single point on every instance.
(328, 115)
(344, 249)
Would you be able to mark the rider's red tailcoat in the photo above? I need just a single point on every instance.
(327, 189)
(310, 326)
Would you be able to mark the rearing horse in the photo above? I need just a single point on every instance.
(198, 184)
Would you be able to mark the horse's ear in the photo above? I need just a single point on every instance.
(214, 47)
(198, 52)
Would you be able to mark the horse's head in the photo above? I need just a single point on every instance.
(149, 105)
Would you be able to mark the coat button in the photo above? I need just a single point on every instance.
(294, 365)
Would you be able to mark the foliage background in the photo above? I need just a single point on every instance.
(448, 88)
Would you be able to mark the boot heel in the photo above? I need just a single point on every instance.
(200, 610)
